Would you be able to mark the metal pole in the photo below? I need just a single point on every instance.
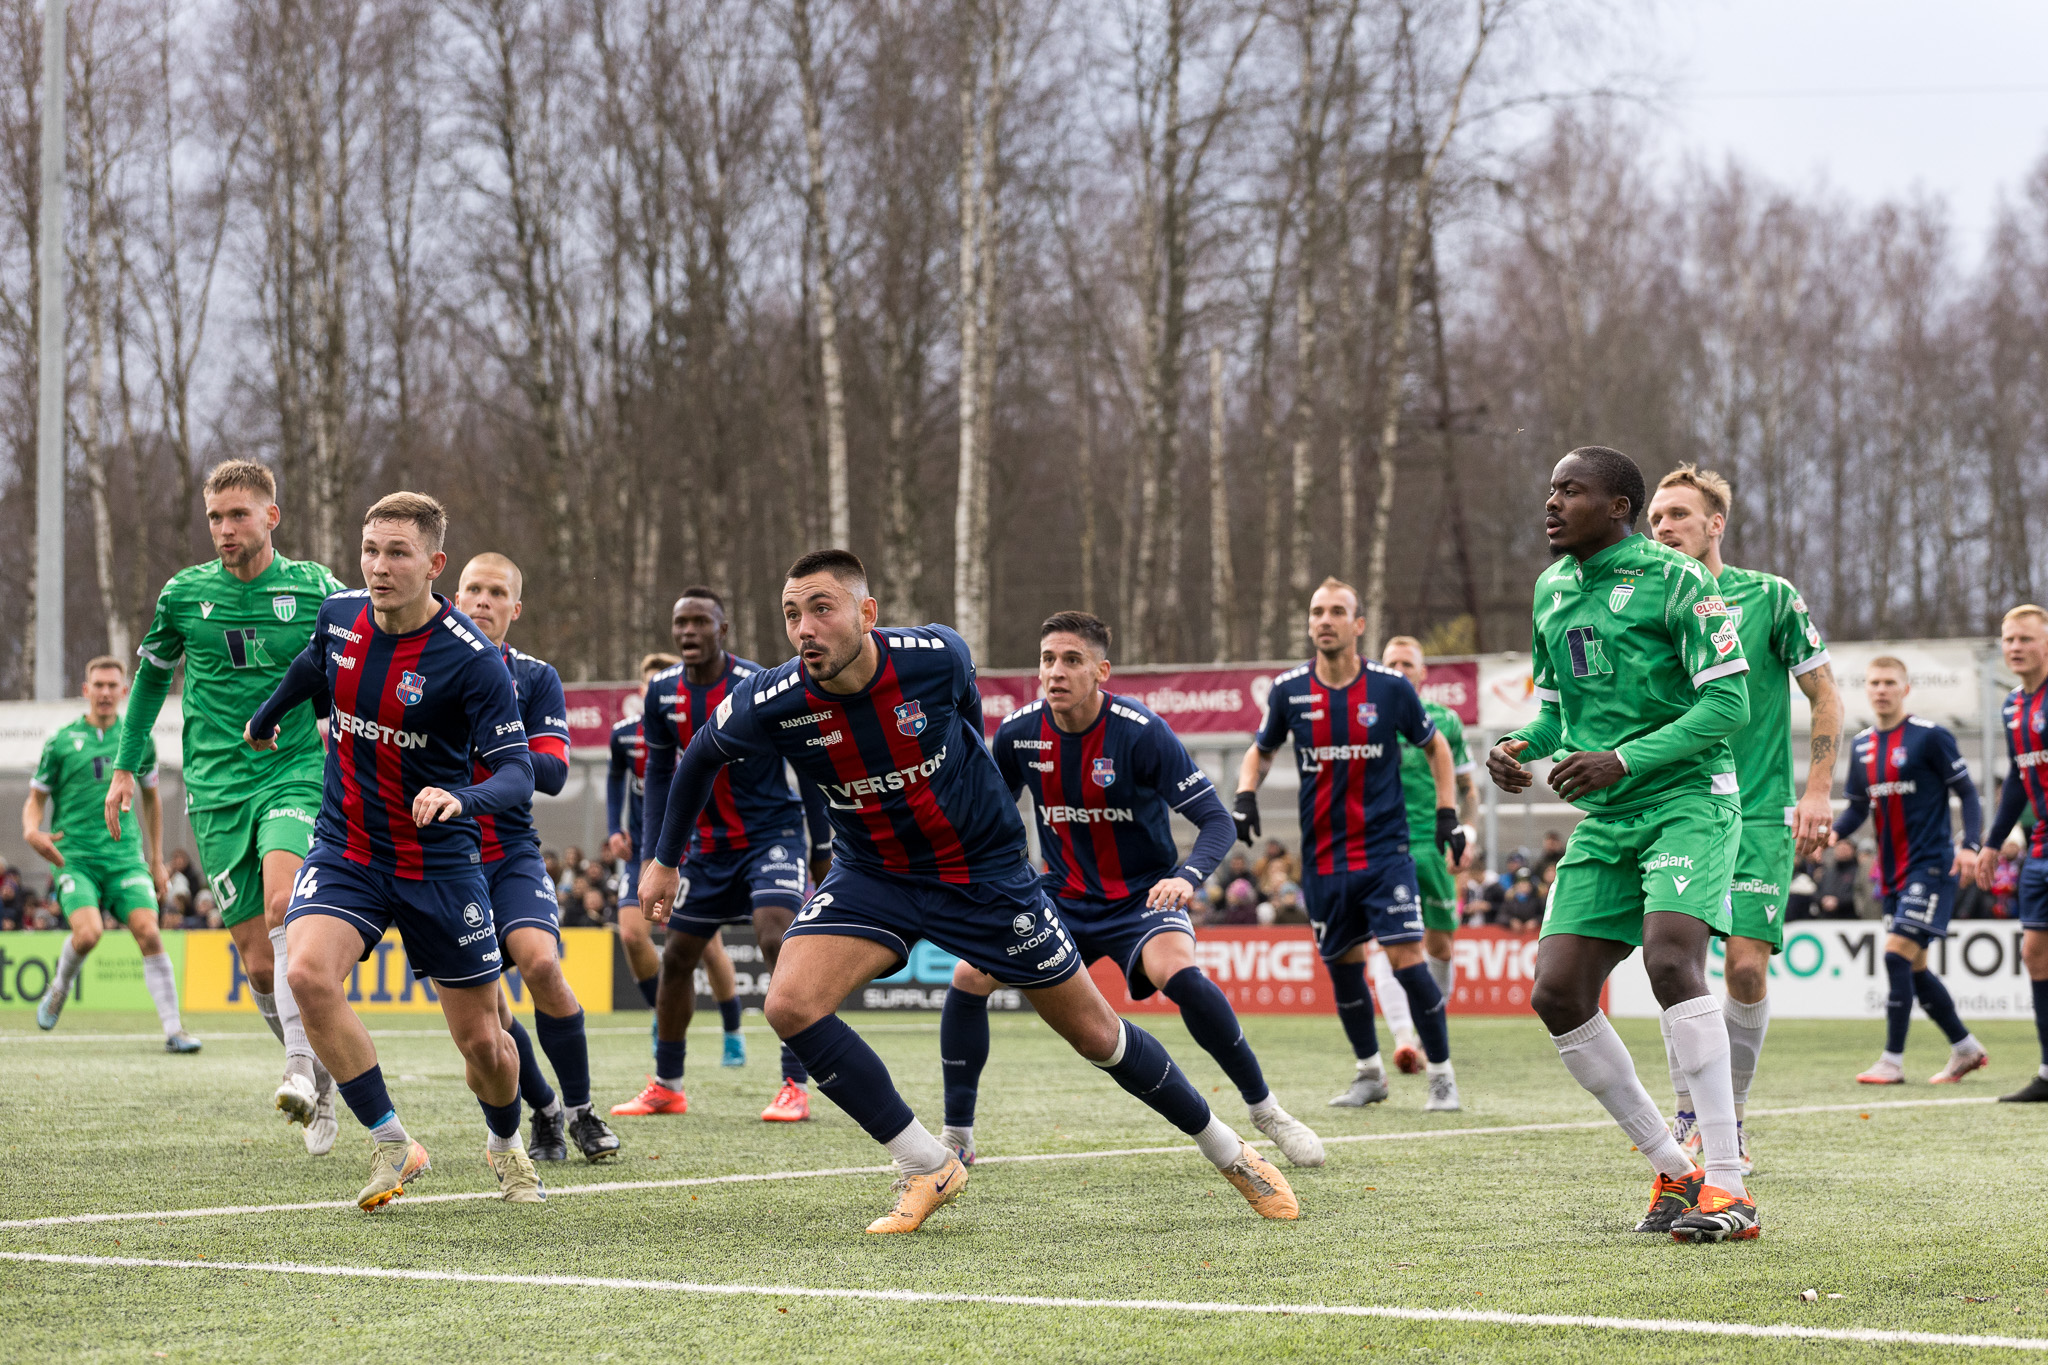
(49, 679)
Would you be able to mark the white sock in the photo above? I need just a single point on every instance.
(574, 1111)
(554, 1110)
(1442, 1068)
(1443, 971)
(954, 1136)
(1598, 1060)
(295, 1044)
(163, 989)
(504, 1144)
(1264, 1109)
(1679, 1092)
(916, 1151)
(1897, 1059)
(266, 1005)
(1371, 1066)
(390, 1130)
(1966, 1045)
(2043, 1072)
(1747, 1025)
(67, 968)
(1219, 1142)
(1392, 997)
(1699, 1039)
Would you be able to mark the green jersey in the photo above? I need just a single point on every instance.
(1781, 643)
(76, 767)
(1624, 643)
(1418, 785)
(237, 639)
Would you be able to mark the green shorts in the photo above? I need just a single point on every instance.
(115, 887)
(1438, 890)
(1616, 869)
(1756, 895)
(233, 840)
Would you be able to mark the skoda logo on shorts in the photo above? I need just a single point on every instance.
(1400, 893)
(777, 854)
(473, 915)
(1917, 889)
(1024, 924)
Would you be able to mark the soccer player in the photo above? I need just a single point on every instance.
(415, 696)
(1106, 776)
(2023, 641)
(1638, 668)
(927, 845)
(1436, 876)
(95, 874)
(1689, 512)
(237, 622)
(1901, 772)
(524, 909)
(745, 854)
(625, 778)
(1346, 717)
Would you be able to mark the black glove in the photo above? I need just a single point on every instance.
(1449, 838)
(1246, 814)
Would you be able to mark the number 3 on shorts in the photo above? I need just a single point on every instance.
(817, 906)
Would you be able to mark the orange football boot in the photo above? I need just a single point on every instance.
(792, 1104)
(655, 1099)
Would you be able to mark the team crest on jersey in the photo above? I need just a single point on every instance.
(1103, 771)
(1618, 599)
(1367, 713)
(412, 687)
(77, 743)
(1898, 757)
(285, 606)
(910, 718)
(2040, 722)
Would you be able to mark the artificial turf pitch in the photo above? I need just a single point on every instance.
(1923, 1219)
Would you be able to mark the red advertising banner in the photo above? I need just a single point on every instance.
(1276, 970)
(594, 710)
(1225, 699)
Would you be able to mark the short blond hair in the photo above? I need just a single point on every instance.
(1357, 602)
(423, 512)
(491, 559)
(1406, 642)
(2025, 609)
(654, 663)
(1891, 662)
(1712, 488)
(241, 474)
(94, 665)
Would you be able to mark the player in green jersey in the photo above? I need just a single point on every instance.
(1638, 669)
(98, 871)
(1689, 512)
(238, 621)
(1439, 889)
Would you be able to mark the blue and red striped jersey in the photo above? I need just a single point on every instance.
(545, 713)
(625, 780)
(1902, 777)
(1105, 797)
(751, 801)
(1352, 809)
(2026, 744)
(406, 712)
(909, 785)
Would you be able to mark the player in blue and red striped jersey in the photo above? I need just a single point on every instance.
(1106, 776)
(927, 844)
(1346, 717)
(523, 905)
(1901, 773)
(746, 853)
(413, 691)
(2023, 641)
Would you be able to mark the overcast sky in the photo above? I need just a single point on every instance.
(1876, 97)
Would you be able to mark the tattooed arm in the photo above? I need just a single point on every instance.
(1812, 819)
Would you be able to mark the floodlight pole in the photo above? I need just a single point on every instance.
(49, 679)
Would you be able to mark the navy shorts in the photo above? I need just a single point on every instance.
(726, 888)
(446, 925)
(522, 895)
(1347, 908)
(2032, 893)
(1919, 909)
(1007, 929)
(1119, 930)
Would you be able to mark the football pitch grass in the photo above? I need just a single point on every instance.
(1924, 1217)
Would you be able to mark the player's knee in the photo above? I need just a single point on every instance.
(1561, 1005)
(147, 941)
(682, 952)
(1746, 980)
(2034, 952)
(308, 983)
(85, 939)
(1675, 976)
(1437, 943)
(966, 978)
(789, 1013)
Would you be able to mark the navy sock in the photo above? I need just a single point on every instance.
(1210, 1021)
(668, 1059)
(501, 1119)
(367, 1098)
(1898, 1006)
(793, 1068)
(729, 1014)
(2041, 1017)
(1939, 1004)
(1149, 1073)
(853, 1077)
(963, 1052)
(533, 1086)
(648, 988)
(1354, 1008)
(568, 1052)
(1426, 1003)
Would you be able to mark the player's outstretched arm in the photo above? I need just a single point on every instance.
(691, 788)
(303, 681)
(615, 770)
(1811, 815)
(1251, 775)
(2012, 801)
(1718, 711)
(32, 833)
(510, 783)
(818, 826)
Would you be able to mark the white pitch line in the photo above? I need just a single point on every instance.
(691, 1182)
(247, 1037)
(1781, 1331)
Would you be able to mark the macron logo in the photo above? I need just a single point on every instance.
(1680, 882)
